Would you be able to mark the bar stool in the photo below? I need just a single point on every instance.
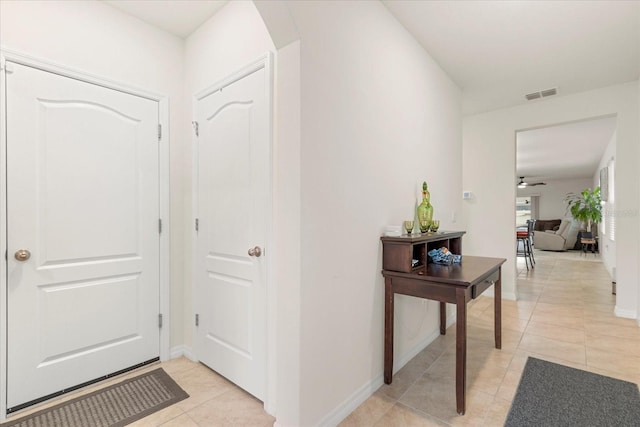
(530, 226)
(524, 236)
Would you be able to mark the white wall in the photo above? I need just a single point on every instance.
(489, 145)
(92, 37)
(606, 246)
(378, 117)
(287, 223)
(551, 204)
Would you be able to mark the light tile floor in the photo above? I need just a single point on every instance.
(564, 315)
(213, 401)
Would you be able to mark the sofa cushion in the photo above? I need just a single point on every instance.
(548, 240)
(546, 224)
(563, 227)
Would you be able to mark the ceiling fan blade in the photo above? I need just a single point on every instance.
(537, 183)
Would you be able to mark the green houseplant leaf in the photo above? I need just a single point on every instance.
(586, 206)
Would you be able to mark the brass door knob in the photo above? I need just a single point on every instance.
(256, 252)
(22, 255)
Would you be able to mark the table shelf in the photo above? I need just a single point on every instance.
(399, 252)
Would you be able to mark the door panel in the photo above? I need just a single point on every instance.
(82, 197)
(67, 336)
(233, 167)
(97, 230)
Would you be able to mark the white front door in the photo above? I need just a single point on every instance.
(82, 198)
(233, 155)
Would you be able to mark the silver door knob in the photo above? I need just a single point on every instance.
(22, 255)
(256, 252)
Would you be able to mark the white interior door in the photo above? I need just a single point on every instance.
(82, 199)
(232, 207)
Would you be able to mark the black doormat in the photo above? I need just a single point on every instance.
(555, 395)
(113, 406)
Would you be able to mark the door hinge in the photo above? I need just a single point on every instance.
(159, 320)
(159, 131)
(196, 128)
(197, 224)
(159, 226)
(197, 320)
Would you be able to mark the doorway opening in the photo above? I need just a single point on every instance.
(552, 162)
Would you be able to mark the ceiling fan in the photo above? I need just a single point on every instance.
(523, 184)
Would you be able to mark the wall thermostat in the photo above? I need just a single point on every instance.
(466, 194)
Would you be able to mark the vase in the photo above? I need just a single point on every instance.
(424, 211)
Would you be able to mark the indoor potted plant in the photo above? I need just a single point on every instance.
(585, 207)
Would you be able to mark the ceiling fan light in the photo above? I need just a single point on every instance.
(522, 184)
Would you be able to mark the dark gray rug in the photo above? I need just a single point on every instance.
(554, 395)
(113, 406)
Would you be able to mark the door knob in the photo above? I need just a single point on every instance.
(22, 255)
(256, 252)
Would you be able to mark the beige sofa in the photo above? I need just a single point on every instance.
(561, 240)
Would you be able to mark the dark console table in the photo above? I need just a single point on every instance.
(407, 271)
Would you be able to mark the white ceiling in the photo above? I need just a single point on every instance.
(178, 17)
(496, 52)
(568, 151)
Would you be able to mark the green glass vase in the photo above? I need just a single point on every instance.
(424, 211)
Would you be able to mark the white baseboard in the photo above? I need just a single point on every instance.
(451, 319)
(343, 410)
(180, 351)
(349, 405)
(627, 314)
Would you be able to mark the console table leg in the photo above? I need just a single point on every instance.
(461, 349)
(443, 318)
(497, 309)
(388, 331)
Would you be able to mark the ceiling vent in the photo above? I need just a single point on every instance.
(542, 94)
(549, 92)
(531, 96)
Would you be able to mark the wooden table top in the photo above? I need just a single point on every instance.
(422, 237)
(469, 272)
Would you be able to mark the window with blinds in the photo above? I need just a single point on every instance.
(610, 206)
